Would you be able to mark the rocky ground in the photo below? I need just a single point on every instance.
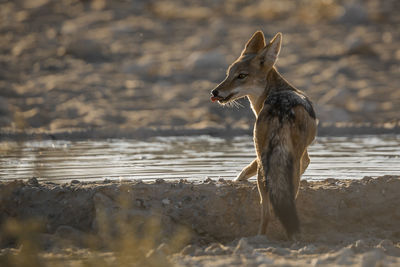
(95, 64)
(209, 223)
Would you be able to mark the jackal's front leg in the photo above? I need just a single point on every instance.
(249, 171)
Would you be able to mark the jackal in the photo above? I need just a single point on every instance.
(285, 125)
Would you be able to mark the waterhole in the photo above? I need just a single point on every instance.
(191, 158)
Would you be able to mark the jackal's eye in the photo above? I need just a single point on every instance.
(241, 76)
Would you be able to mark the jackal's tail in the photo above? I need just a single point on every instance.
(278, 175)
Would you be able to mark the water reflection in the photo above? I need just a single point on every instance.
(188, 157)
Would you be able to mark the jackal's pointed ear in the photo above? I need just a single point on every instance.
(255, 44)
(271, 51)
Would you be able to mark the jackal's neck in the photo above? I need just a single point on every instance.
(273, 82)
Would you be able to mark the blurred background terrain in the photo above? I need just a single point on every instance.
(89, 64)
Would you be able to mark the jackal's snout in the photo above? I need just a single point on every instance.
(222, 93)
(215, 95)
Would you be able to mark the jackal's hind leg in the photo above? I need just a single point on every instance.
(298, 171)
(296, 176)
(264, 203)
(305, 160)
(247, 172)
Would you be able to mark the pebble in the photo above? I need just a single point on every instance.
(388, 247)
(217, 249)
(344, 256)
(159, 181)
(243, 247)
(359, 246)
(208, 180)
(262, 259)
(309, 249)
(189, 250)
(33, 181)
(371, 258)
(279, 251)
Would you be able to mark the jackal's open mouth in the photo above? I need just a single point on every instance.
(222, 100)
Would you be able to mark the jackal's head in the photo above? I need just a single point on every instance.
(247, 75)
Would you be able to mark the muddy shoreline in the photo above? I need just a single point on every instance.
(343, 218)
(344, 129)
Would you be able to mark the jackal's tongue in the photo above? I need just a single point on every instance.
(215, 98)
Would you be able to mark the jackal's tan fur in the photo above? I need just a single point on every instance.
(284, 128)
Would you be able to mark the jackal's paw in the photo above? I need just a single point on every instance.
(237, 179)
(240, 178)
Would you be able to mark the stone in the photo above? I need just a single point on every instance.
(359, 246)
(243, 247)
(371, 258)
(158, 256)
(159, 181)
(388, 247)
(166, 201)
(189, 250)
(309, 249)
(33, 181)
(262, 259)
(217, 249)
(279, 251)
(208, 180)
(344, 256)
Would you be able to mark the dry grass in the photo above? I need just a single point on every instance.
(118, 241)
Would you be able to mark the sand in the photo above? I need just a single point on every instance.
(207, 223)
(126, 68)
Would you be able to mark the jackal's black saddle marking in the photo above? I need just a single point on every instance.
(282, 103)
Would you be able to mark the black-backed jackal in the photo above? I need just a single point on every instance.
(284, 127)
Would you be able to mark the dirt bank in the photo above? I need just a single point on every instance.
(346, 222)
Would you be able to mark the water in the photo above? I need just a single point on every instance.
(192, 158)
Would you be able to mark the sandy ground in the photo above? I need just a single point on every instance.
(97, 69)
(70, 65)
(209, 223)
